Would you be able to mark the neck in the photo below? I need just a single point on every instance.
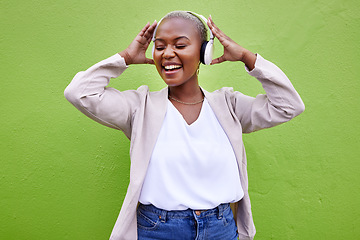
(187, 92)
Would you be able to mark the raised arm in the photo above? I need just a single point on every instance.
(135, 53)
(89, 93)
(232, 51)
(281, 101)
(280, 104)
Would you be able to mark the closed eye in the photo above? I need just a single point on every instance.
(180, 46)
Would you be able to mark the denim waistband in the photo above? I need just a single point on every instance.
(163, 214)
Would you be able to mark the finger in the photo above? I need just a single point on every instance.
(223, 39)
(150, 31)
(143, 30)
(153, 25)
(210, 22)
(148, 41)
(149, 61)
(212, 25)
(218, 60)
(216, 31)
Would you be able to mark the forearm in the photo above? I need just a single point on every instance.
(279, 90)
(89, 93)
(280, 103)
(95, 79)
(249, 59)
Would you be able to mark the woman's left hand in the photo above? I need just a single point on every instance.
(232, 50)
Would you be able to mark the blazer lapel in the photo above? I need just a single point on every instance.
(218, 103)
(222, 107)
(147, 130)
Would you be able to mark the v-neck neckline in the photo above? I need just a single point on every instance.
(182, 117)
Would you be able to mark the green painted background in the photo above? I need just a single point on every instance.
(63, 176)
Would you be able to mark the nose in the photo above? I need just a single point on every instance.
(168, 53)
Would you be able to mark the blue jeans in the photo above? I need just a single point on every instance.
(214, 224)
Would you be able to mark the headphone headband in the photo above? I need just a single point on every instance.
(207, 47)
(199, 16)
(204, 20)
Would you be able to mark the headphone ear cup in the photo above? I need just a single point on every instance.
(202, 52)
(207, 52)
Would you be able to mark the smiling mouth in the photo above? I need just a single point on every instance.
(169, 68)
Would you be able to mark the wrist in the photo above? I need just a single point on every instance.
(126, 57)
(249, 59)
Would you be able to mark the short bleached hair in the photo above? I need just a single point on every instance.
(199, 25)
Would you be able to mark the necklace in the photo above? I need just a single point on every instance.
(186, 103)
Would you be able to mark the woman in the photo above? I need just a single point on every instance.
(187, 156)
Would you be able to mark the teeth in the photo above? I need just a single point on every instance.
(170, 67)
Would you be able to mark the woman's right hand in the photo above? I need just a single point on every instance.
(135, 52)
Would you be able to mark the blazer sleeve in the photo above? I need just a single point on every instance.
(280, 103)
(89, 93)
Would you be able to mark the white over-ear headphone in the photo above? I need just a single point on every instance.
(207, 47)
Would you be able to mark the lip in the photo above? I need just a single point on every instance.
(172, 72)
(170, 63)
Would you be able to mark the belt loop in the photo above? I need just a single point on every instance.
(162, 216)
(221, 209)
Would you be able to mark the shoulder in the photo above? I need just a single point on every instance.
(219, 92)
(222, 93)
(143, 93)
(147, 97)
(226, 97)
(144, 89)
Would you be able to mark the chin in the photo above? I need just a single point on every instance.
(173, 82)
(177, 79)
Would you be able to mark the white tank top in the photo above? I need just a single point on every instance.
(192, 166)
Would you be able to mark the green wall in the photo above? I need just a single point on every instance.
(63, 176)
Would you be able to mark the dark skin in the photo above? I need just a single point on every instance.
(178, 43)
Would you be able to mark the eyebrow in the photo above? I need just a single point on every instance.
(160, 39)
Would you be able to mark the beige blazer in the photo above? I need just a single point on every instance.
(140, 113)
